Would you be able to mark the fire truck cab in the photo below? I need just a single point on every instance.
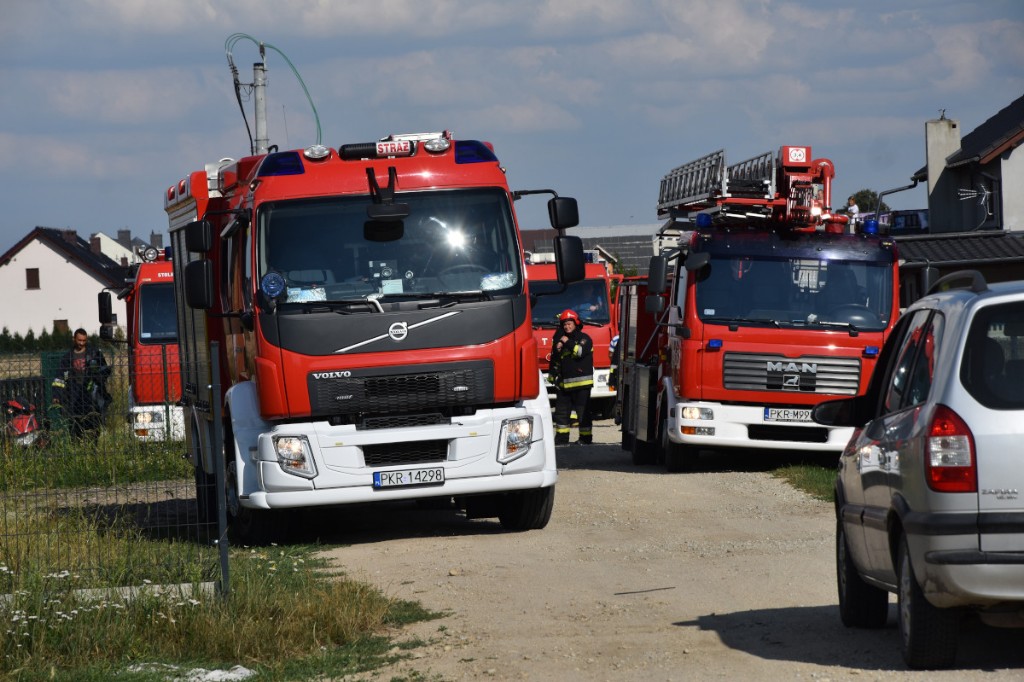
(154, 390)
(767, 306)
(370, 311)
(594, 300)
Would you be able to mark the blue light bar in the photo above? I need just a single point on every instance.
(871, 352)
(703, 220)
(871, 226)
(281, 163)
(473, 151)
(714, 344)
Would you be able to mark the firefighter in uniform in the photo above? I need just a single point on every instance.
(572, 373)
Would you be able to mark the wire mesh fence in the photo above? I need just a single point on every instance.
(97, 486)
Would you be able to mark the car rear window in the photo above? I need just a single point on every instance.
(992, 370)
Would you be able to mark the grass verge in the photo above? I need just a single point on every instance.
(287, 617)
(815, 479)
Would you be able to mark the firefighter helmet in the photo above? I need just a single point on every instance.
(569, 315)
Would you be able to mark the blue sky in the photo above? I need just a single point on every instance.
(105, 103)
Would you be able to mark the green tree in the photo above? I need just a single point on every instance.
(867, 201)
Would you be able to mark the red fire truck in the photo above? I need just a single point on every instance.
(370, 311)
(594, 299)
(154, 389)
(767, 306)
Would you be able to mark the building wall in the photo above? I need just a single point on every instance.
(66, 292)
(1013, 198)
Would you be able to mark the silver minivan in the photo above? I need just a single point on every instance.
(929, 500)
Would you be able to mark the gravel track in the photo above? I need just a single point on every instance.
(725, 573)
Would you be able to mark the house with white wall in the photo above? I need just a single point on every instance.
(52, 278)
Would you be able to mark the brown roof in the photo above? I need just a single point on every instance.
(76, 249)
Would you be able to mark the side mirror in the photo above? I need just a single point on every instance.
(657, 275)
(199, 236)
(563, 212)
(199, 284)
(569, 263)
(107, 332)
(106, 308)
(696, 261)
(654, 304)
(841, 412)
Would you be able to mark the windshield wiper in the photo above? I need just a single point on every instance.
(842, 325)
(736, 321)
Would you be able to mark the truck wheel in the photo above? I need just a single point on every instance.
(860, 605)
(927, 634)
(527, 509)
(643, 452)
(206, 495)
(678, 458)
(247, 526)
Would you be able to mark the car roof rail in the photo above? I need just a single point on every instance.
(977, 281)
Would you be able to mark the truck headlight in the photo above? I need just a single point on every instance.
(516, 437)
(295, 456)
(698, 413)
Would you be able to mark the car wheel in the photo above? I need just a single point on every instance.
(860, 605)
(928, 634)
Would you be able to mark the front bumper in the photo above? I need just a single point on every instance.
(745, 426)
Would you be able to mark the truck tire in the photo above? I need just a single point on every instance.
(246, 526)
(527, 509)
(860, 605)
(644, 453)
(928, 635)
(678, 458)
(206, 495)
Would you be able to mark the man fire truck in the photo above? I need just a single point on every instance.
(154, 389)
(772, 308)
(370, 308)
(593, 300)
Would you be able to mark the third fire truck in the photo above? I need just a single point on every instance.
(767, 306)
(594, 300)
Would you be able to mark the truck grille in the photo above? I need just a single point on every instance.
(806, 374)
(417, 452)
(408, 389)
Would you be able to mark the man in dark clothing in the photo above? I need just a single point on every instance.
(80, 386)
(572, 373)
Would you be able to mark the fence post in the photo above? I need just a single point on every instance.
(218, 459)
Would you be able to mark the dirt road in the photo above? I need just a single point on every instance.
(641, 575)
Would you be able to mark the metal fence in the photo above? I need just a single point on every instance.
(86, 496)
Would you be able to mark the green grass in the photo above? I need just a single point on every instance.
(817, 480)
(288, 617)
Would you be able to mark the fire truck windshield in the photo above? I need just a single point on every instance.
(795, 292)
(588, 298)
(158, 322)
(327, 249)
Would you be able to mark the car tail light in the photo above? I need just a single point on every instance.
(950, 462)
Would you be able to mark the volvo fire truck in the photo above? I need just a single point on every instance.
(766, 306)
(593, 298)
(370, 311)
(154, 386)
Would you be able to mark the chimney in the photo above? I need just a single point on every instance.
(124, 262)
(156, 239)
(124, 238)
(70, 236)
(942, 140)
(94, 245)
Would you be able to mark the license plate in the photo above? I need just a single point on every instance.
(397, 479)
(786, 414)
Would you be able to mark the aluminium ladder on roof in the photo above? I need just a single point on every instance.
(706, 182)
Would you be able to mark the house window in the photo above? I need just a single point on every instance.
(31, 278)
